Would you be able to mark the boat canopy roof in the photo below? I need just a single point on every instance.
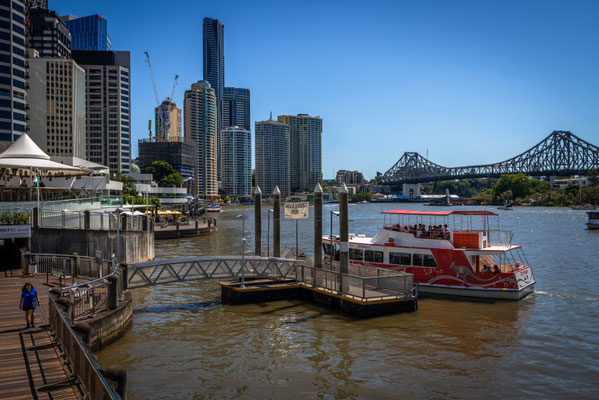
(438, 213)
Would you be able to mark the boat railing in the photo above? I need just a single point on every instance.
(495, 237)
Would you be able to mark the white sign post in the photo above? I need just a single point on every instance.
(296, 211)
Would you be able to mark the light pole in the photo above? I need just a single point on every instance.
(243, 217)
(268, 234)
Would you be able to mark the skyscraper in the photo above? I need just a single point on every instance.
(48, 34)
(108, 107)
(88, 33)
(200, 126)
(56, 98)
(272, 156)
(13, 70)
(236, 161)
(214, 69)
(306, 151)
(171, 129)
(236, 108)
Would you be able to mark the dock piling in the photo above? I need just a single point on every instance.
(343, 235)
(258, 221)
(318, 226)
(276, 222)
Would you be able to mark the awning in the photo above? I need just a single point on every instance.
(438, 213)
(24, 158)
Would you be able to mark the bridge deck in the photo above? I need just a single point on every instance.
(30, 367)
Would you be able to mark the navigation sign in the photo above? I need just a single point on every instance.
(296, 210)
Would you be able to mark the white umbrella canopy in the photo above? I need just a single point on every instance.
(24, 158)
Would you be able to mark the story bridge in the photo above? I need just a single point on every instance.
(560, 154)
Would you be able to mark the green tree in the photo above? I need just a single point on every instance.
(164, 174)
(519, 184)
(361, 197)
(128, 184)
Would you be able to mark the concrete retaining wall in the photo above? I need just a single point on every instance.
(134, 246)
(108, 326)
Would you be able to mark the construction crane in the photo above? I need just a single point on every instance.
(163, 124)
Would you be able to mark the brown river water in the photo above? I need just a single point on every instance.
(185, 344)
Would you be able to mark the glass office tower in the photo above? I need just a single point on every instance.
(88, 33)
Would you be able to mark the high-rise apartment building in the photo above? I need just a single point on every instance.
(48, 33)
(306, 151)
(108, 107)
(200, 126)
(272, 156)
(236, 108)
(168, 121)
(236, 161)
(349, 177)
(13, 71)
(56, 98)
(214, 69)
(88, 33)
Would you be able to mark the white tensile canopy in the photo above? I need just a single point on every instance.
(25, 159)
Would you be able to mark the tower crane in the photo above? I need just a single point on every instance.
(163, 124)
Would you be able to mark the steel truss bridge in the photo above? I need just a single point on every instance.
(202, 268)
(560, 154)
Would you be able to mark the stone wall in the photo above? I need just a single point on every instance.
(134, 246)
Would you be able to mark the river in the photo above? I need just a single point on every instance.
(185, 344)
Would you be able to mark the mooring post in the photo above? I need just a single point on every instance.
(276, 222)
(343, 235)
(258, 221)
(318, 226)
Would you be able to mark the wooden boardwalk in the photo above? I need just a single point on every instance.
(30, 367)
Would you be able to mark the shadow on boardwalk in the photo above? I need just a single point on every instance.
(30, 366)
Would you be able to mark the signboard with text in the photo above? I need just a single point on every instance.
(296, 210)
(15, 231)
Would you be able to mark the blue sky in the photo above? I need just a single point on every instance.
(472, 82)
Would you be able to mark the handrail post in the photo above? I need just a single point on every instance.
(75, 266)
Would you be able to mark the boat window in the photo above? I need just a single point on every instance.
(418, 260)
(400, 258)
(327, 248)
(373, 256)
(356, 254)
(429, 261)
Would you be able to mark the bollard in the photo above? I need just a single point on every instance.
(113, 292)
(196, 224)
(276, 222)
(36, 217)
(119, 375)
(318, 226)
(25, 257)
(177, 226)
(258, 221)
(343, 235)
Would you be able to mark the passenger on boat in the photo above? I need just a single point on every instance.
(516, 267)
(486, 268)
(496, 269)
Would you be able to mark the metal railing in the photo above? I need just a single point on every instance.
(97, 220)
(82, 362)
(90, 203)
(362, 282)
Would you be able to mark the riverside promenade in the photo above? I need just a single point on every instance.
(30, 366)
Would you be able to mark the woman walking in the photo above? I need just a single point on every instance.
(29, 302)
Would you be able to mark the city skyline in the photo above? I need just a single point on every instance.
(470, 83)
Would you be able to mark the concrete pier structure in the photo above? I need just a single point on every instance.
(318, 226)
(258, 221)
(276, 222)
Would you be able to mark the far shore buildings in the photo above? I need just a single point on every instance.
(180, 154)
(272, 156)
(349, 177)
(305, 150)
(236, 161)
(200, 127)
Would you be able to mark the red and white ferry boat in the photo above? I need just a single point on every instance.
(444, 260)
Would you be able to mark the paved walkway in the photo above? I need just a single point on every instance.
(29, 364)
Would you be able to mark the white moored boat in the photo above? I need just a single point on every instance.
(453, 261)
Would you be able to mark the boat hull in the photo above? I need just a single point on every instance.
(592, 226)
(465, 292)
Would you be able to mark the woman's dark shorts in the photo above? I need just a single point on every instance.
(27, 308)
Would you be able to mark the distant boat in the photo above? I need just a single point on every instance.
(506, 206)
(593, 220)
(583, 207)
(214, 208)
